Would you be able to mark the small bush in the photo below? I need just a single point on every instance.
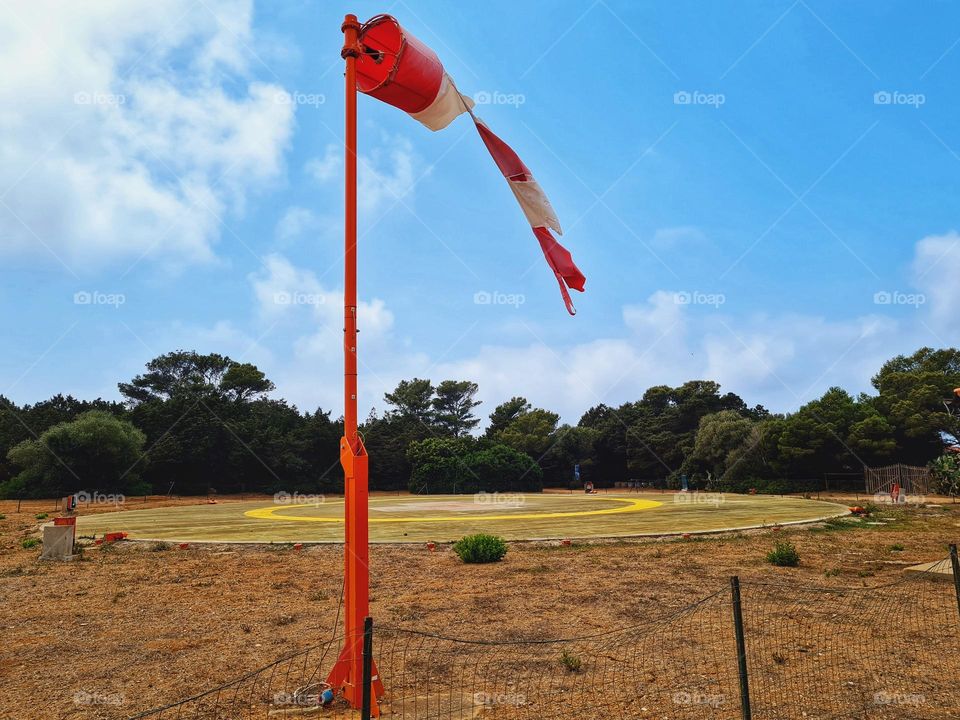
(41, 516)
(28, 543)
(784, 554)
(160, 546)
(480, 548)
(2, 516)
(897, 547)
(571, 662)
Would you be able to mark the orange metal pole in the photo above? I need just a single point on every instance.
(348, 672)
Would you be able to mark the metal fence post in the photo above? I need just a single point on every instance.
(367, 668)
(741, 649)
(955, 565)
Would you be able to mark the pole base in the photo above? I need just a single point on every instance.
(346, 677)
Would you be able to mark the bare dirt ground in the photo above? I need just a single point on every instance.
(142, 625)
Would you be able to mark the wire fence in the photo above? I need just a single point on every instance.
(751, 650)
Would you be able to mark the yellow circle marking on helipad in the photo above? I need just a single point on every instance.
(629, 505)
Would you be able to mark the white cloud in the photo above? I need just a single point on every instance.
(935, 273)
(296, 221)
(296, 312)
(280, 288)
(385, 175)
(662, 314)
(119, 136)
(778, 359)
(781, 361)
(326, 168)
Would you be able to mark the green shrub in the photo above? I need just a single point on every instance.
(41, 516)
(480, 548)
(946, 474)
(897, 547)
(160, 546)
(95, 443)
(571, 662)
(28, 543)
(2, 516)
(784, 554)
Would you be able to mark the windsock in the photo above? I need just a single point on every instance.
(400, 70)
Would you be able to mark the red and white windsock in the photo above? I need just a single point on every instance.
(400, 70)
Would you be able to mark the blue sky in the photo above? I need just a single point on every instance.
(761, 193)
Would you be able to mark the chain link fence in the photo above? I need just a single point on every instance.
(750, 650)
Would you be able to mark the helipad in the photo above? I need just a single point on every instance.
(408, 518)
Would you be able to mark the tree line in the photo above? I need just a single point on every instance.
(193, 423)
